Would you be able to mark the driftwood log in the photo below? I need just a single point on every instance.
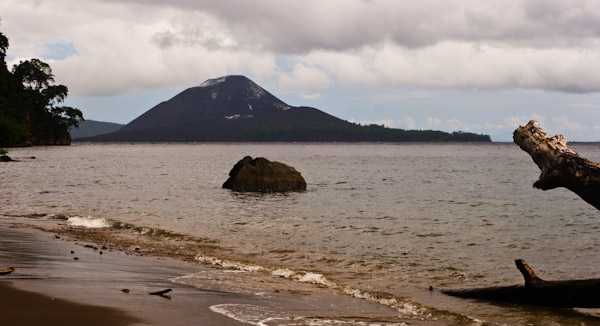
(561, 166)
(567, 294)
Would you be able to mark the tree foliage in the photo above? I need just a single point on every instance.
(30, 109)
(304, 127)
(3, 47)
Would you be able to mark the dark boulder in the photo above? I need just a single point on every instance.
(5, 158)
(262, 175)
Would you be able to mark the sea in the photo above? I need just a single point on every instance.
(384, 222)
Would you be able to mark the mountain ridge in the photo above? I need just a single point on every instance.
(235, 109)
(90, 128)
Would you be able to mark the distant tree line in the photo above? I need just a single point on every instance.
(29, 104)
(305, 127)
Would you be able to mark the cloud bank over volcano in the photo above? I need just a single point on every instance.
(312, 49)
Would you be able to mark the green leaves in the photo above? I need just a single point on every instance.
(3, 46)
(67, 115)
(34, 74)
(29, 102)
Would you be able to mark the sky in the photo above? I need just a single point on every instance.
(471, 65)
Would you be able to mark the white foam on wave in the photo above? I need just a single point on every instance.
(405, 307)
(261, 316)
(285, 273)
(228, 264)
(245, 313)
(89, 222)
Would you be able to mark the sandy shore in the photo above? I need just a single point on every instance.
(49, 284)
(58, 281)
(28, 308)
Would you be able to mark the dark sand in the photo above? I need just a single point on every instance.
(50, 287)
(88, 291)
(28, 308)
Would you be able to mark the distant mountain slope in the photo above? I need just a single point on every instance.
(235, 109)
(89, 128)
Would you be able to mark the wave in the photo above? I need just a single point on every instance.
(406, 307)
(89, 222)
(262, 316)
(158, 241)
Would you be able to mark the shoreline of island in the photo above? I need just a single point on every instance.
(70, 272)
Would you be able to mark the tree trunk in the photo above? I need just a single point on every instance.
(568, 294)
(561, 166)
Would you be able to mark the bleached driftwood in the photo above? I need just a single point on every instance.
(560, 165)
(569, 293)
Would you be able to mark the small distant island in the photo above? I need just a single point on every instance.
(235, 109)
(30, 113)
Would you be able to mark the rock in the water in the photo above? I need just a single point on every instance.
(262, 175)
(5, 158)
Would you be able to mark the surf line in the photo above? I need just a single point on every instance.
(407, 308)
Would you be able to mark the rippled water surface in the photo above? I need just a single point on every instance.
(391, 218)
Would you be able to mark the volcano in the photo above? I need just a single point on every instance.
(235, 109)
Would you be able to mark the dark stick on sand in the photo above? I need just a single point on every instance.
(161, 293)
(7, 271)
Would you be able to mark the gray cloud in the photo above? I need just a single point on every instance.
(432, 62)
(299, 26)
(545, 44)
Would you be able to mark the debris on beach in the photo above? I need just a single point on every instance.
(7, 271)
(161, 293)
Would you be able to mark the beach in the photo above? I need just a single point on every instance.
(61, 280)
(29, 308)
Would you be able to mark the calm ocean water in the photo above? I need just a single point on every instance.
(383, 219)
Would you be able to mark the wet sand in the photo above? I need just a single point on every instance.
(51, 287)
(47, 272)
(28, 308)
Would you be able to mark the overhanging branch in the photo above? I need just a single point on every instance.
(560, 165)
